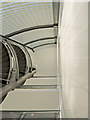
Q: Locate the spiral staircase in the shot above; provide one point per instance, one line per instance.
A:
(15, 63)
(4, 65)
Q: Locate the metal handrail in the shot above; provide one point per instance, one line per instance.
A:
(5, 37)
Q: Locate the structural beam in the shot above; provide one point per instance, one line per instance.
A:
(12, 86)
(30, 29)
(46, 38)
(55, 6)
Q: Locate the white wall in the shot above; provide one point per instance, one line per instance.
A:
(28, 100)
(74, 59)
(45, 60)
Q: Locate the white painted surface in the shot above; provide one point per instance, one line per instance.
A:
(74, 59)
(45, 60)
(23, 99)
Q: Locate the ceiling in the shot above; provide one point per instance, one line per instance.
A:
(39, 17)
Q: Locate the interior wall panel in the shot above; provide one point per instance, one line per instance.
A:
(74, 59)
(44, 58)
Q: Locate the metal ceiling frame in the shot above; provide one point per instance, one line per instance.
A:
(55, 6)
(55, 26)
(30, 29)
(46, 38)
(26, 45)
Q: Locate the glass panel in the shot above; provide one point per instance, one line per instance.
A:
(19, 15)
(34, 35)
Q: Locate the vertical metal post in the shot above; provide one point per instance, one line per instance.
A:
(59, 67)
(58, 63)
